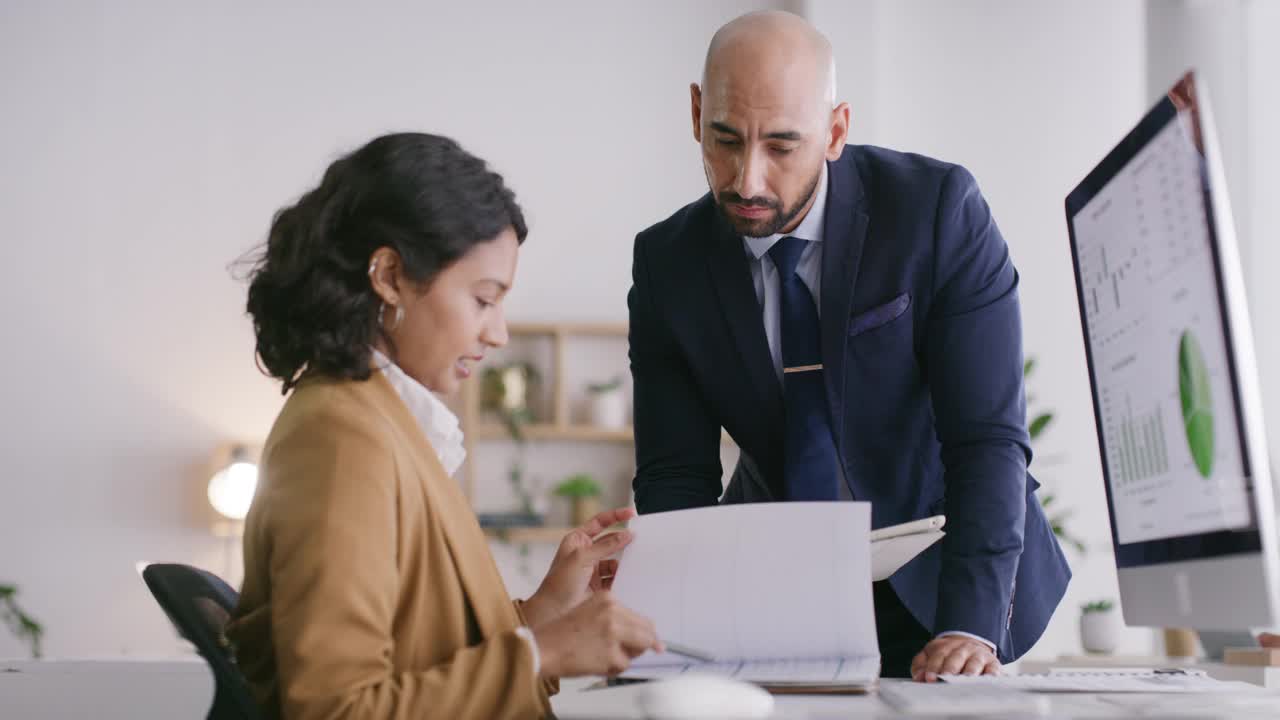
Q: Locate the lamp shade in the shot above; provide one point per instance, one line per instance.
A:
(231, 488)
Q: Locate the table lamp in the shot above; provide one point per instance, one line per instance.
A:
(231, 488)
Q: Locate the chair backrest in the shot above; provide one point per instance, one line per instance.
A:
(199, 604)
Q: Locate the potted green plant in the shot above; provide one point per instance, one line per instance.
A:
(1057, 516)
(1100, 626)
(22, 625)
(505, 391)
(607, 404)
(583, 492)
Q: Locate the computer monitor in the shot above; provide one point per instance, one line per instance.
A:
(1175, 387)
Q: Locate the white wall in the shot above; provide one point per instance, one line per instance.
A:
(1262, 70)
(1028, 96)
(145, 146)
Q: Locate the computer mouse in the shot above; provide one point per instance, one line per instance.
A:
(695, 696)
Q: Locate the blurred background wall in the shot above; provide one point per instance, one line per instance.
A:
(146, 144)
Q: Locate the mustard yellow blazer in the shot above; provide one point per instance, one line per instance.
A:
(369, 588)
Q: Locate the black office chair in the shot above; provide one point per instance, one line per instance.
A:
(199, 604)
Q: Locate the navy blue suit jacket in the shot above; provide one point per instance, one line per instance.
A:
(922, 348)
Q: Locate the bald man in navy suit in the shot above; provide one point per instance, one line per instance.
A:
(849, 314)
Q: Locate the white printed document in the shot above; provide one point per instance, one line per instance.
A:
(895, 546)
(777, 593)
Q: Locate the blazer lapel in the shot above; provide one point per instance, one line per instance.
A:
(844, 233)
(448, 506)
(731, 276)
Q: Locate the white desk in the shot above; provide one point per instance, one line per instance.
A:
(183, 688)
(109, 689)
(577, 703)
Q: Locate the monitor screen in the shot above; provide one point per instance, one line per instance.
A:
(1159, 343)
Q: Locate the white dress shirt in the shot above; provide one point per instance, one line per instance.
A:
(438, 422)
(764, 275)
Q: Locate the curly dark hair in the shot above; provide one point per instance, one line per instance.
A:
(314, 311)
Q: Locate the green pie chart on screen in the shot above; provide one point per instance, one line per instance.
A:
(1197, 402)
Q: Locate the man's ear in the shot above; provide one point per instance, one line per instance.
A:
(839, 131)
(695, 102)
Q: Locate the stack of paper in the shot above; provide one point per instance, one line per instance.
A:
(778, 593)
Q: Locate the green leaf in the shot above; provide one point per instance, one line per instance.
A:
(1039, 424)
(580, 485)
(607, 386)
(1097, 606)
(1028, 366)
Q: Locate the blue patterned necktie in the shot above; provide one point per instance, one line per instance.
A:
(810, 465)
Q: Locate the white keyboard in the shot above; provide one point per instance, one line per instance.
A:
(981, 700)
(1104, 681)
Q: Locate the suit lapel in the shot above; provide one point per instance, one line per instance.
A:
(731, 276)
(844, 233)
(448, 506)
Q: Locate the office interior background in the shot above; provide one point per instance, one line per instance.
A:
(146, 145)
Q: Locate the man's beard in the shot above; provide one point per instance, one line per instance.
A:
(767, 226)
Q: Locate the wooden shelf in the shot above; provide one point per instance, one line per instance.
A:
(558, 426)
(520, 535)
(549, 431)
(599, 329)
(477, 428)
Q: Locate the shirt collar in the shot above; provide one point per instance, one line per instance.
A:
(810, 227)
(437, 421)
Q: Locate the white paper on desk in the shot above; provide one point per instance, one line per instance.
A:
(756, 581)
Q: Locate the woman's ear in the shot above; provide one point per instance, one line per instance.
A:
(384, 275)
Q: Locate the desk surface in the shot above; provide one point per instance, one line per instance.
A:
(183, 688)
(576, 702)
(107, 689)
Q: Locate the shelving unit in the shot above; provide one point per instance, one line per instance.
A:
(559, 427)
(548, 431)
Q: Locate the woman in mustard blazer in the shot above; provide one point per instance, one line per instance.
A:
(369, 589)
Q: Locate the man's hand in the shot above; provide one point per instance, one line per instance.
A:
(1268, 640)
(953, 655)
(580, 568)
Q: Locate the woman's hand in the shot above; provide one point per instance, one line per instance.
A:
(579, 568)
(598, 637)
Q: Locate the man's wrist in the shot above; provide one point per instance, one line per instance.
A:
(960, 633)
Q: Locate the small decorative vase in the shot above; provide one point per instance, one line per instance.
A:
(583, 509)
(608, 409)
(1100, 631)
